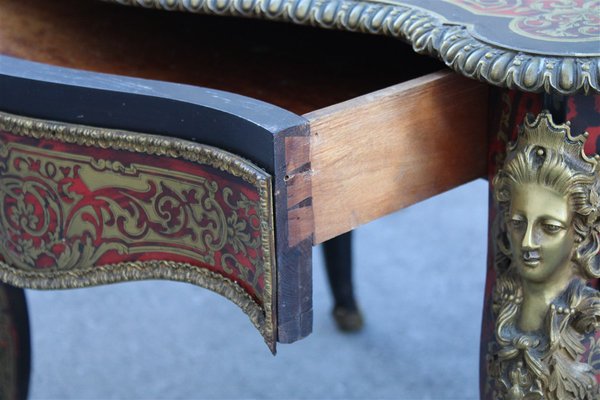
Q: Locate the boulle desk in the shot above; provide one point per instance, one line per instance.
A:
(118, 165)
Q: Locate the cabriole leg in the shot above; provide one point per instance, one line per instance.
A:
(14, 343)
(338, 261)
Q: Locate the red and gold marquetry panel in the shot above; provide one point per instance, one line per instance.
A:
(83, 206)
(551, 20)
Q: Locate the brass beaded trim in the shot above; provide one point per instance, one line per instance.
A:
(426, 31)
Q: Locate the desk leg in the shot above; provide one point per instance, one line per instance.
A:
(14, 343)
(541, 320)
(338, 261)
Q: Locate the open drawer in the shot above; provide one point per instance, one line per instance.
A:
(113, 174)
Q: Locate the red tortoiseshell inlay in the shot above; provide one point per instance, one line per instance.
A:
(584, 114)
(66, 206)
(560, 21)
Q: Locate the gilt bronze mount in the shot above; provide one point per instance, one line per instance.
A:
(546, 242)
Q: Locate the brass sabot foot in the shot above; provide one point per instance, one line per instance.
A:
(348, 320)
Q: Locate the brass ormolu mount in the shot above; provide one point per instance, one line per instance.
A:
(547, 319)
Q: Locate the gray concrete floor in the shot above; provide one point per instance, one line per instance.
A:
(419, 274)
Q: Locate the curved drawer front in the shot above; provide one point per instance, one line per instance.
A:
(82, 206)
(103, 179)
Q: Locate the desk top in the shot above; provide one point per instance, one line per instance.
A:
(548, 46)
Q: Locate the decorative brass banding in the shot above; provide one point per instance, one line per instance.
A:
(428, 32)
(83, 206)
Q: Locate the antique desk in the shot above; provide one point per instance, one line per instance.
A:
(106, 177)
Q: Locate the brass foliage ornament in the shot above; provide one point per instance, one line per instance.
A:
(83, 206)
(546, 248)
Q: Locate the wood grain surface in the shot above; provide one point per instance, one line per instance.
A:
(299, 192)
(295, 67)
(389, 149)
(365, 158)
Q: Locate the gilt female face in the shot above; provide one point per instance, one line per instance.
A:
(540, 231)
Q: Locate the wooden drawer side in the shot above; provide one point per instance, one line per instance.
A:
(384, 151)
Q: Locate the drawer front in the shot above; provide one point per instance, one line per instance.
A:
(85, 202)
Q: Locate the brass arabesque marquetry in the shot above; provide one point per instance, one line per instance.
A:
(546, 247)
(64, 214)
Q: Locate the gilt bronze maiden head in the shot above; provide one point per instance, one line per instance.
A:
(548, 195)
(547, 240)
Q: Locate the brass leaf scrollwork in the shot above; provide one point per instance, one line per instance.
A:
(546, 248)
(83, 206)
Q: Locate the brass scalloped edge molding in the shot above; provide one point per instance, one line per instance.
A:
(137, 271)
(263, 318)
(134, 142)
(425, 30)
